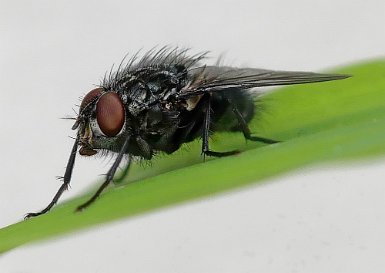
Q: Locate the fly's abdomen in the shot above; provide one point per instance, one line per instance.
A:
(222, 103)
(222, 117)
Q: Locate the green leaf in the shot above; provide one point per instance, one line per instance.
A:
(339, 120)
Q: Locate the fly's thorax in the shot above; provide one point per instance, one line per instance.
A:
(101, 121)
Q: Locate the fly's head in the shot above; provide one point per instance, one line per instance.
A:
(100, 122)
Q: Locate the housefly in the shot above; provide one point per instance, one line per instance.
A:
(166, 98)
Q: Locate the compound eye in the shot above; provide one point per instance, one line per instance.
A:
(90, 97)
(110, 114)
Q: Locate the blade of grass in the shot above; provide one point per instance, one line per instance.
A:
(318, 122)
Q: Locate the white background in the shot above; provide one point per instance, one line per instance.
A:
(322, 219)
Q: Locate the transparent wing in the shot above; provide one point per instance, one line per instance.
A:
(214, 79)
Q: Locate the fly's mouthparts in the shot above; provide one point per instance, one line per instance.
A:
(87, 151)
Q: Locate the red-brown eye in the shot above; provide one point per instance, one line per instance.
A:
(110, 114)
(92, 95)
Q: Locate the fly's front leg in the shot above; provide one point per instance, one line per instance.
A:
(206, 132)
(109, 176)
(64, 186)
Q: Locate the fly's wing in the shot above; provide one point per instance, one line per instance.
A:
(215, 79)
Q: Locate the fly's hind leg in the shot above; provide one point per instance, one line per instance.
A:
(206, 132)
(246, 130)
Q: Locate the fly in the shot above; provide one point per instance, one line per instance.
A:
(163, 100)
